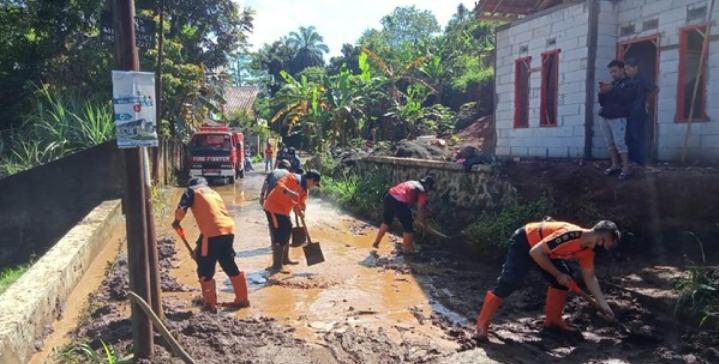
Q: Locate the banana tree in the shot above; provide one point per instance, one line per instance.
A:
(346, 103)
(302, 105)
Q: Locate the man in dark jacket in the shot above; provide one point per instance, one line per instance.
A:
(638, 121)
(616, 99)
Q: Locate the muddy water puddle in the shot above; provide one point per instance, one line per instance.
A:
(76, 302)
(345, 291)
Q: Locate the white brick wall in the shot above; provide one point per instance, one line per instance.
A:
(672, 16)
(568, 27)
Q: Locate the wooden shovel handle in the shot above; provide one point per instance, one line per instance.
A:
(307, 233)
(181, 232)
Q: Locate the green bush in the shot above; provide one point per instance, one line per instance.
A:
(257, 158)
(492, 231)
(362, 196)
(699, 293)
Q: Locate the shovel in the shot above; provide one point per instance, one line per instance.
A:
(442, 235)
(181, 233)
(574, 287)
(298, 234)
(313, 251)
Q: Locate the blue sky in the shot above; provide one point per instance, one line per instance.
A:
(337, 21)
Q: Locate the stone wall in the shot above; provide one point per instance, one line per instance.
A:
(459, 195)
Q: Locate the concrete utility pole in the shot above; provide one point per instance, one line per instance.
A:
(134, 203)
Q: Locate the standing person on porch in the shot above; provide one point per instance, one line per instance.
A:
(397, 202)
(217, 234)
(638, 121)
(616, 99)
(290, 193)
(269, 152)
(546, 245)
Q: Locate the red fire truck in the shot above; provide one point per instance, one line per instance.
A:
(217, 151)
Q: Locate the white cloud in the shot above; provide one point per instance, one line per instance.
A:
(337, 21)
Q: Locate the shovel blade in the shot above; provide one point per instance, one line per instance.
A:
(313, 253)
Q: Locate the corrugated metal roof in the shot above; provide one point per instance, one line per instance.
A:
(239, 99)
(510, 9)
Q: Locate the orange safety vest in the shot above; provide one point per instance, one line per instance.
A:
(278, 202)
(563, 240)
(211, 216)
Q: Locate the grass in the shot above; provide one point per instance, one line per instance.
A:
(492, 231)
(59, 125)
(85, 353)
(699, 294)
(9, 275)
(361, 196)
(699, 290)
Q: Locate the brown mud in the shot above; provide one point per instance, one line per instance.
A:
(363, 307)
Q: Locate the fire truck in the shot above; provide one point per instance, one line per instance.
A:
(217, 151)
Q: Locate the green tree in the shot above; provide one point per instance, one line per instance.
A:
(273, 59)
(37, 37)
(309, 48)
(350, 58)
(407, 25)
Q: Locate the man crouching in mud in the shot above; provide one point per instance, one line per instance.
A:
(217, 233)
(546, 245)
(398, 202)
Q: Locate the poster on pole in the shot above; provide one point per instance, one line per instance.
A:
(133, 99)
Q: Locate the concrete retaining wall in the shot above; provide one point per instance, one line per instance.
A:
(41, 204)
(460, 195)
(36, 299)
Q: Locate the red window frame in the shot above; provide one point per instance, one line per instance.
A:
(543, 107)
(521, 116)
(681, 110)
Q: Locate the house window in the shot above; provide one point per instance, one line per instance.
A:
(691, 40)
(550, 88)
(521, 92)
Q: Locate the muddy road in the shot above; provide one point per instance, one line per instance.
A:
(359, 307)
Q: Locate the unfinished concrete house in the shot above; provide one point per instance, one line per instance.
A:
(551, 54)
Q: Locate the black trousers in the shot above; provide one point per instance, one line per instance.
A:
(219, 249)
(518, 264)
(280, 234)
(391, 208)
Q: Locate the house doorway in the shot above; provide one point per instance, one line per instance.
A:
(646, 52)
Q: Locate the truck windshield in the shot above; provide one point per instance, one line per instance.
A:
(211, 143)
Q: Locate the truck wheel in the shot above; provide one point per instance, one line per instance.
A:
(242, 173)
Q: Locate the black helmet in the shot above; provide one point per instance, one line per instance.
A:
(313, 174)
(197, 182)
(427, 182)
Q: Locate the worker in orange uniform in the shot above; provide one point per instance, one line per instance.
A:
(214, 245)
(548, 245)
(398, 202)
(290, 193)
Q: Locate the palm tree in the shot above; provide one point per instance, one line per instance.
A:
(309, 48)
